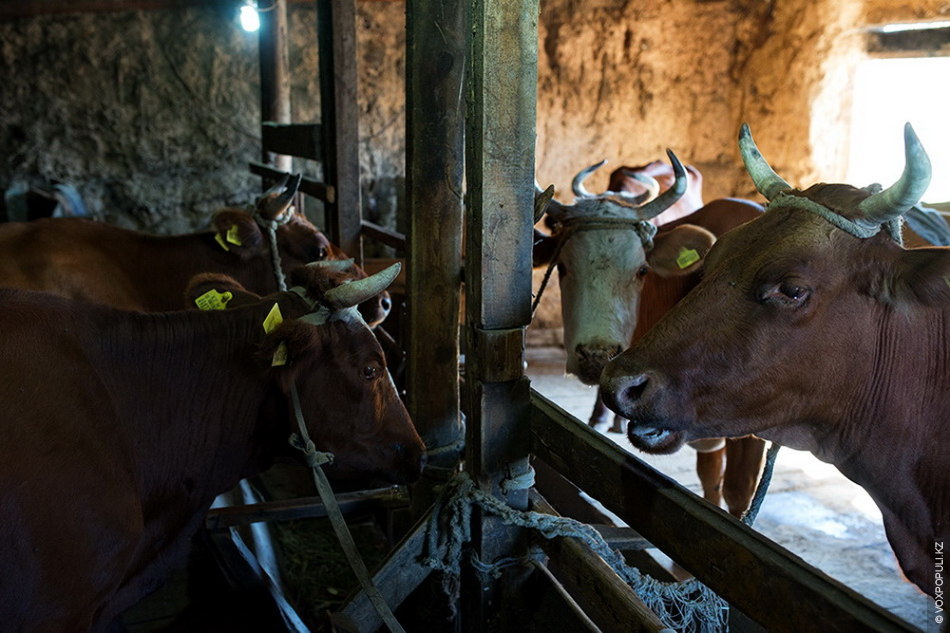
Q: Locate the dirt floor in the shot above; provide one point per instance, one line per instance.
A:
(811, 509)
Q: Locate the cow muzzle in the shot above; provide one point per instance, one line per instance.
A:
(590, 360)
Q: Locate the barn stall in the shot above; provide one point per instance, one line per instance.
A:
(582, 59)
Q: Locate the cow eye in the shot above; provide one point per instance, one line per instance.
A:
(370, 372)
(787, 293)
(318, 254)
(643, 271)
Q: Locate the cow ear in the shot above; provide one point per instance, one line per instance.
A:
(211, 291)
(238, 233)
(921, 276)
(680, 251)
(287, 349)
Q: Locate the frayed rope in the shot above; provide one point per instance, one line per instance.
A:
(688, 607)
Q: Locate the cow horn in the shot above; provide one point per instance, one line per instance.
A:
(542, 198)
(666, 199)
(578, 183)
(333, 264)
(359, 290)
(272, 206)
(897, 199)
(652, 187)
(277, 187)
(768, 183)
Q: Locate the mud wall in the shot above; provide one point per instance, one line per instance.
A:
(153, 115)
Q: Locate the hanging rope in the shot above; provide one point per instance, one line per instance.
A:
(270, 227)
(686, 606)
(315, 459)
(568, 227)
(763, 487)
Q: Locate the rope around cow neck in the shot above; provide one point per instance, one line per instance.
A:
(270, 227)
(684, 606)
(315, 459)
(763, 486)
(645, 231)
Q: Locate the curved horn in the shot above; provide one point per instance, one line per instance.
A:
(768, 183)
(666, 199)
(578, 183)
(277, 187)
(897, 199)
(272, 206)
(333, 264)
(649, 182)
(359, 290)
(542, 198)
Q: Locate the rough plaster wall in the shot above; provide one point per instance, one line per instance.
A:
(154, 115)
(146, 113)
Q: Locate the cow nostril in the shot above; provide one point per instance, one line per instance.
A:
(634, 388)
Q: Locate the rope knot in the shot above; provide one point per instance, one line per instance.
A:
(311, 455)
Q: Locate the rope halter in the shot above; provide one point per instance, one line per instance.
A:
(881, 209)
(276, 205)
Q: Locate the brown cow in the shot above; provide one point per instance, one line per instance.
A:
(85, 259)
(615, 304)
(119, 429)
(814, 327)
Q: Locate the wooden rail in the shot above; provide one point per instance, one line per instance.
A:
(776, 588)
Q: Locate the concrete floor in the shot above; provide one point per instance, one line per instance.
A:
(811, 509)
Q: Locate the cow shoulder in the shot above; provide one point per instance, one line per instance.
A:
(680, 251)
(238, 233)
(919, 276)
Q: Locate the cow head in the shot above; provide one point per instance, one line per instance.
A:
(348, 399)
(299, 242)
(797, 325)
(603, 246)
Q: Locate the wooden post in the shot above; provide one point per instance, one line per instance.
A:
(336, 40)
(436, 48)
(500, 143)
(275, 75)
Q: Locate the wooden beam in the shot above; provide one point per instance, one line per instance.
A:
(385, 236)
(303, 508)
(776, 588)
(436, 54)
(274, 55)
(293, 139)
(607, 599)
(339, 117)
(396, 578)
(500, 141)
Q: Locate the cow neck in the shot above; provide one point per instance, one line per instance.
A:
(270, 228)
(568, 227)
(788, 200)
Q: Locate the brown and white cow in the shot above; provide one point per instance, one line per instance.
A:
(84, 259)
(118, 429)
(613, 288)
(815, 328)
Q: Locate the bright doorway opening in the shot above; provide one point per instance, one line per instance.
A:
(888, 93)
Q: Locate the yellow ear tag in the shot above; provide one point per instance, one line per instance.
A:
(213, 300)
(220, 241)
(280, 355)
(233, 236)
(274, 318)
(687, 258)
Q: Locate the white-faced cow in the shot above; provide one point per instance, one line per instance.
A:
(85, 259)
(616, 283)
(118, 429)
(815, 328)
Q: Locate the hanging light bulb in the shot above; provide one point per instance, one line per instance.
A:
(250, 21)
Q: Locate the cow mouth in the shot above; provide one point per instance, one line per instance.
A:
(654, 439)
